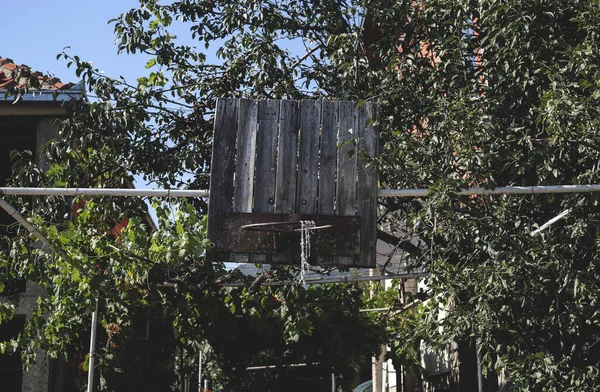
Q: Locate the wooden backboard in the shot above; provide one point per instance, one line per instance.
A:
(294, 157)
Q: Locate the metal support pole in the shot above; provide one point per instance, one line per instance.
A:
(92, 361)
(344, 279)
(332, 382)
(30, 228)
(200, 371)
(501, 190)
(479, 370)
(551, 222)
(126, 192)
(420, 192)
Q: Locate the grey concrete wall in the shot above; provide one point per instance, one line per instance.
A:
(46, 131)
(37, 378)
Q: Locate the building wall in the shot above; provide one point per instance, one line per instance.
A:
(37, 378)
(27, 133)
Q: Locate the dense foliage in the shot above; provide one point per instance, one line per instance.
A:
(473, 93)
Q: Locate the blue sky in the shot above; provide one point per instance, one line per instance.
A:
(35, 31)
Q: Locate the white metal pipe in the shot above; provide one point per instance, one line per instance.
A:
(127, 192)
(23, 222)
(343, 279)
(373, 310)
(332, 382)
(479, 370)
(276, 366)
(505, 190)
(199, 370)
(422, 192)
(551, 222)
(92, 361)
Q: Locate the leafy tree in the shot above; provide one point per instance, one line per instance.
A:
(508, 101)
(160, 128)
(472, 93)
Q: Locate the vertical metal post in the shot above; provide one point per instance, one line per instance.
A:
(402, 303)
(332, 382)
(479, 370)
(200, 371)
(376, 367)
(401, 379)
(92, 361)
(181, 369)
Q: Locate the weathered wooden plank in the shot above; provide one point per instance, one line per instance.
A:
(328, 157)
(266, 152)
(245, 160)
(347, 167)
(266, 164)
(287, 163)
(245, 154)
(222, 166)
(367, 184)
(287, 158)
(328, 163)
(308, 157)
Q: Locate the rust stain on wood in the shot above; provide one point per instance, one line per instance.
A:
(342, 238)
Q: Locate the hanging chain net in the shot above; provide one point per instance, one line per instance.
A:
(306, 228)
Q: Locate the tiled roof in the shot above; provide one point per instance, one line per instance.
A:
(21, 76)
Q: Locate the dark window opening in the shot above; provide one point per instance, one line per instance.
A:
(11, 368)
(16, 133)
(13, 286)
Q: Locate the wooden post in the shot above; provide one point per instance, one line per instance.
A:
(222, 166)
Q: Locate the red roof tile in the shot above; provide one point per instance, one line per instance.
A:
(12, 75)
(9, 66)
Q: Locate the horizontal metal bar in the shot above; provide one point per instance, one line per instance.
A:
(422, 192)
(127, 192)
(285, 365)
(505, 190)
(341, 279)
(398, 310)
(374, 310)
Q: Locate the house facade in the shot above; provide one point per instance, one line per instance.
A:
(25, 126)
